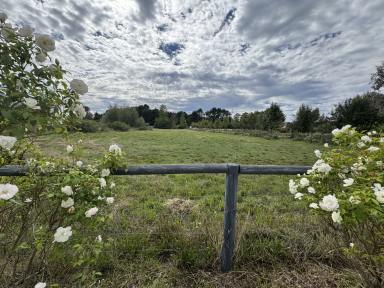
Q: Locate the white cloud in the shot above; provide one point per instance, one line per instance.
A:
(236, 54)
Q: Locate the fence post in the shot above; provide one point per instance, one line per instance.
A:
(229, 217)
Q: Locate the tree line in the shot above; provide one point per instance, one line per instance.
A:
(364, 111)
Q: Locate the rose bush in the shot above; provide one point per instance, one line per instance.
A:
(52, 216)
(345, 186)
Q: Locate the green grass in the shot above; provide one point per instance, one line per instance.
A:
(279, 242)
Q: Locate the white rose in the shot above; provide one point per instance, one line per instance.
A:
(102, 182)
(318, 153)
(91, 212)
(360, 144)
(113, 185)
(79, 86)
(348, 182)
(345, 128)
(379, 192)
(329, 203)
(8, 191)
(366, 139)
(99, 238)
(7, 142)
(105, 172)
(336, 132)
(292, 187)
(31, 103)
(321, 166)
(41, 285)
(79, 163)
(62, 234)
(69, 149)
(80, 111)
(67, 190)
(67, 203)
(351, 245)
(114, 148)
(109, 200)
(25, 31)
(28, 200)
(3, 17)
(326, 145)
(336, 217)
(304, 182)
(311, 190)
(45, 42)
(314, 206)
(41, 57)
(299, 195)
(373, 149)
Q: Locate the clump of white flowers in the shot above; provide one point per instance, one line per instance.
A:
(62, 234)
(67, 190)
(8, 191)
(115, 149)
(91, 212)
(69, 149)
(79, 86)
(57, 194)
(7, 142)
(45, 42)
(346, 187)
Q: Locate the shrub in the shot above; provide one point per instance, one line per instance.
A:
(126, 115)
(119, 126)
(345, 186)
(51, 217)
(91, 126)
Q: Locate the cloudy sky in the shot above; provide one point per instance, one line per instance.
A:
(237, 54)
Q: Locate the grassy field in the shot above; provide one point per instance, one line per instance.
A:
(279, 242)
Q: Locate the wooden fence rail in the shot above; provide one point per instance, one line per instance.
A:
(232, 172)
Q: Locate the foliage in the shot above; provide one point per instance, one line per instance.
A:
(377, 78)
(363, 111)
(164, 121)
(346, 187)
(306, 118)
(35, 97)
(182, 121)
(90, 126)
(217, 114)
(274, 117)
(51, 216)
(119, 126)
(127, 115)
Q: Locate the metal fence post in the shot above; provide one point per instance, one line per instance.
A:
(229, 217)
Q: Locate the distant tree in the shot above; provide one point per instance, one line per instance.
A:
(362, 111)
(182, 121)
(306, 118)
(197, 115)
(127, 115)
(324, 125)
(148, 114)
(97, 116)
(217, 114)
(163, 121)
(88, 115)
(377, 78)
(274, 117)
